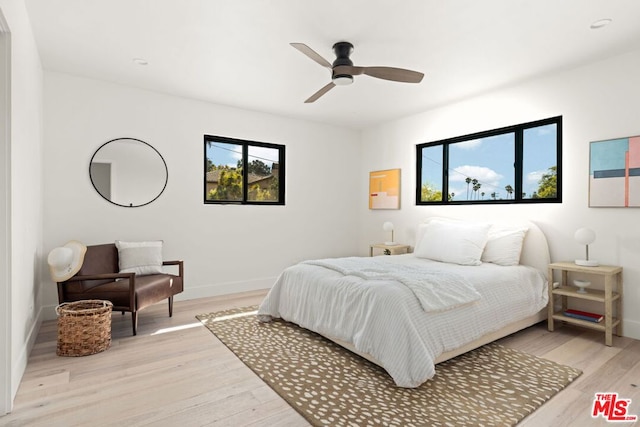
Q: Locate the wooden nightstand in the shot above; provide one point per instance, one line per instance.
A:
(389, 249)
(612, 274)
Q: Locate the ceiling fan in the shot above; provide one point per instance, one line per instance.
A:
(343, 70)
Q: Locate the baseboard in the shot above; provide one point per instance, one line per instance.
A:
(20, 364)
(49, 312)
(631, 329)
(225, 288)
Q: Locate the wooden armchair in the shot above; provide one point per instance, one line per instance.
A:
(99, 278)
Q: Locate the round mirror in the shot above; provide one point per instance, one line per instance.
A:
(128, 172)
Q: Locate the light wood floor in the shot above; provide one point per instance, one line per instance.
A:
(176, 373)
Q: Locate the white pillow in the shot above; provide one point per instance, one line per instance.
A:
(141, 258)
(454, 242)
(423, 226)
(504, 245)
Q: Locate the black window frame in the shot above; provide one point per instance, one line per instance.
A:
(518, 131)
(245, 171)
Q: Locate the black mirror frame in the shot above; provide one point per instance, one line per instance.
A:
(130, 205)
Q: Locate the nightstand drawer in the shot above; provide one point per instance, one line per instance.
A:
(389, 249)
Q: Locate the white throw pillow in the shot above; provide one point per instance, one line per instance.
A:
(423, 226)
(504, 245)
(141, 258)
(454, 242)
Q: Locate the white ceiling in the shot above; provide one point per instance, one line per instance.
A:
(237, 53)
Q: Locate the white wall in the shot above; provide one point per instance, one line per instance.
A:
(25, 210)
(226, 248)
(599, 101)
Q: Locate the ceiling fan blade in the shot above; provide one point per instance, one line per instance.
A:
(348, 69)
(311, 54)
(394, 74)
(319, 93)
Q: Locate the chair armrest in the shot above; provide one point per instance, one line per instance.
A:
(102, 276)
(180, 265)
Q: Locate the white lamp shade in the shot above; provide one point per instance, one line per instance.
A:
(585, 236)
(388, 226)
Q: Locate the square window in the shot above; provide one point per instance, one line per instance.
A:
(243, 172)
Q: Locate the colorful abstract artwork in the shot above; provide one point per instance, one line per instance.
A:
(384, 189)
(614, 173)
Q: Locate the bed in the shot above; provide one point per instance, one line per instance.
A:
(465, 284)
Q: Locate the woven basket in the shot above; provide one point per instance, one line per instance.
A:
(84, 327)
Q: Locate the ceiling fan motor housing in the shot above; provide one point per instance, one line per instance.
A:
(342, 51)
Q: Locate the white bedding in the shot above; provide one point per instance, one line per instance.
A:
(385, 319)
(436, 289)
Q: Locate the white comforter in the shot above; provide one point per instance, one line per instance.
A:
(436, 289)
(384, 318)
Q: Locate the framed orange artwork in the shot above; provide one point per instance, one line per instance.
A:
(384, 189)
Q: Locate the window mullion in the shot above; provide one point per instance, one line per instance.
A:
(245, 173)
(518, 161)
(281, 171)
(419, 167)
(445, 173)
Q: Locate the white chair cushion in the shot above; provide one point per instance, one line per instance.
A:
(141, 258)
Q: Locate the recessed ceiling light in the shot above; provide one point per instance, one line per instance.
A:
(601, 23)
(140, 61)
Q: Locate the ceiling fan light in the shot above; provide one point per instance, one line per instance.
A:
(342, 80)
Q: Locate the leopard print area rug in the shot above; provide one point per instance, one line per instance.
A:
(330, 386)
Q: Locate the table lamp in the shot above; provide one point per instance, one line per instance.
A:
(388, 226)
(585, 236)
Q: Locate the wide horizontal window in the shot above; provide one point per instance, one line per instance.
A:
(515, 164)
(243, 172)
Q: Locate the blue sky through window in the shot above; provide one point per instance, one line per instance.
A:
(488, 160)
(539, 154)
(491, 161)
(222, 154)
(228, 154)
